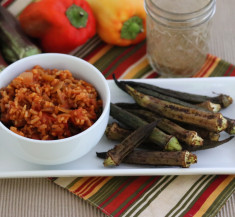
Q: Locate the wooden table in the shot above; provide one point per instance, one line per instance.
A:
(38, 197)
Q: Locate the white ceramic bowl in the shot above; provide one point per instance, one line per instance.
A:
(63, 150)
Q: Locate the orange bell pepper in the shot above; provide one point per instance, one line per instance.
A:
(120, 22)
(60, 25)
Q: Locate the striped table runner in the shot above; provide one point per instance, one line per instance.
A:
(157, 196)
(153, 195)
(199, 195)
(131, 62)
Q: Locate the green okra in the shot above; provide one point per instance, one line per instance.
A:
(157, 158)
(187, 136)
(206, 106)
(231, 126)
(212, 121)
(121, 150)
(158, 137)
(222, 99)
(208, 144)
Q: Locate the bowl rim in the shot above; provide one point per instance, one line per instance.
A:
(106, 106)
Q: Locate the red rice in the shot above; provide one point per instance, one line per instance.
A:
(49, 104)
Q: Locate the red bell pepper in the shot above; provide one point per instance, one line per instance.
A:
(60, 25)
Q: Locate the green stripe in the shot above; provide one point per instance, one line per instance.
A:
(127, 184)
(90, 45)
(133, 195)
(157, 185)
(73, 182)
(220, 69)
(157, 189)
(123, 58)
(113, 186)
(143, 72)
(221, 200)
(108, 57)
(198, 195)
(156, 194)
(107, 189)
(231, 70)
(185, 195)
(194, 190)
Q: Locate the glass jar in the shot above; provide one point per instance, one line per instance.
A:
(177, 35)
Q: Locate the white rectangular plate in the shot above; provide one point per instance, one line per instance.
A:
(219, 160)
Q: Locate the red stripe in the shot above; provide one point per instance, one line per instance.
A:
(233, 72)
(91, 179)
(117, 59)
(125, 194)
(207, 69)
(116, 192)
(93, 186)
(7, 3)
(137, 196)
(153, 75)
(94, 51)
(128, 62)
(228, 70)
(201, 200)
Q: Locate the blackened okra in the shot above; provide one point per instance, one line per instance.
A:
(206, 106)
(209, 106)
(208, 144)
(121, 150)
(205, 134)
(188, 136)
(222, 99)
(158, 137)
(211, 121)
(115, 132)
(158, 158)
(231, 126)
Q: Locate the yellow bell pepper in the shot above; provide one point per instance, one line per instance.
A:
(120, 22)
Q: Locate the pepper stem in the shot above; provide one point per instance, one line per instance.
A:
(131, 28)
(77, 16)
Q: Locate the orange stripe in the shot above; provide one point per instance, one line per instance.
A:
(78, 184)
(213, 196)
(87, 183)
(131, 74)
(211, 69)
(97, 188)
(98, 55)
(205, 66)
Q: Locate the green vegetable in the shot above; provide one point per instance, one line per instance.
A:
(231, 126)
(208, 144)
(3, 64)
(115, 132)
(14, 44)
(205, 134)
(120, 151)
(158, 158)
(158, 137)
(211, 121)
(222, 99)
(206, 106)
(188, 136)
